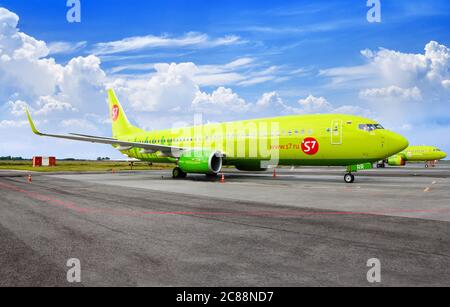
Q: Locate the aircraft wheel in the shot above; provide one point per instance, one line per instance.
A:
(178, 173)
(426, 165)
(349, 178)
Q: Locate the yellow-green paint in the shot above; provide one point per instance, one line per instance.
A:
(246, 143)
(422, 154)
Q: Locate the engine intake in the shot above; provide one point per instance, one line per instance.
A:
(201, 162)
(396, 161)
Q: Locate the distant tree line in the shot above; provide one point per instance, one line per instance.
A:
(103, 159)
(9, 158)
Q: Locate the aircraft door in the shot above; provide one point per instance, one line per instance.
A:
(336, 132)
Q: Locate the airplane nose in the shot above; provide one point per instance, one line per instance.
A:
(396, 143)
(444, 155)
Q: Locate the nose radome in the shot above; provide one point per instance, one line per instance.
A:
(397, 142)
(444, 155)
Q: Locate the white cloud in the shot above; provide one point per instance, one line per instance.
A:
(17, 107)
(13, 123)
(392, 93)
(312, 104)
(403, 88)
(4, 124)
(28, 76)
(387, 68)
(219, 101)
(65, 47)
(78, 123)
(171, 86)
(271, 99)
(256, 80)
(49, 104)
(8, 20)
(191, 39)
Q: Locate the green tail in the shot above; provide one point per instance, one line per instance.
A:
(120, 125)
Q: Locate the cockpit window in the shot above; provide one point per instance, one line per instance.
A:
(436, 149)
(370, 127)
(378, 126)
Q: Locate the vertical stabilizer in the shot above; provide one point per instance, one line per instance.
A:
(120, 125)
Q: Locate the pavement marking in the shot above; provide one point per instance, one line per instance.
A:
(427, 189)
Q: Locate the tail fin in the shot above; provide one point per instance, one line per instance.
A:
(119, 121)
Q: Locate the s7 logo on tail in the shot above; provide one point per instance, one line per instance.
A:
(115, 112)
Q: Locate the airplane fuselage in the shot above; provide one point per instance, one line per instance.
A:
(326, 139)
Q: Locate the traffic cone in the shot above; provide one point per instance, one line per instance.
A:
(113, 171)
(222, 179)
(30, 179)
(274, 173)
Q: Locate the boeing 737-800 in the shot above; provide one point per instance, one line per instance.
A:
(252, 145)
(427, 154)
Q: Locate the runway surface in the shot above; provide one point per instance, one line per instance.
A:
(304, 227)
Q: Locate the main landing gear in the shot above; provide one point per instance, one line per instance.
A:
(177, 173)
(349, 178)
(381, 164)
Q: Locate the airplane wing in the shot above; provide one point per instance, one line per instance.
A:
(121, 145)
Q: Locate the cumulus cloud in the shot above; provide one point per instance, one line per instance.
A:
(48, 104)
(313, 104)
(17, 107)
(389, 68)
(219, 101)
(403, 88)
(172, 86)
(308, 105)
(29, 76)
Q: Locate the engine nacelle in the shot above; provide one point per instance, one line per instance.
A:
(200, 162)
(396, 161)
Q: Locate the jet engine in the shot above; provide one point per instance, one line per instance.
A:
(200, 162)
(396, 161)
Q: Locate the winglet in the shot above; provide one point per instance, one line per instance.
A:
(33, 128)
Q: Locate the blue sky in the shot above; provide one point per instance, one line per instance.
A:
(225, 59)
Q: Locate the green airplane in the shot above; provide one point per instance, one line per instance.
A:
(252, 145)
(428, 154)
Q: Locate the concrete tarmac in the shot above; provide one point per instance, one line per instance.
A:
(305, 227)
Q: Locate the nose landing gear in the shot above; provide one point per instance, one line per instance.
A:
(349, 178)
